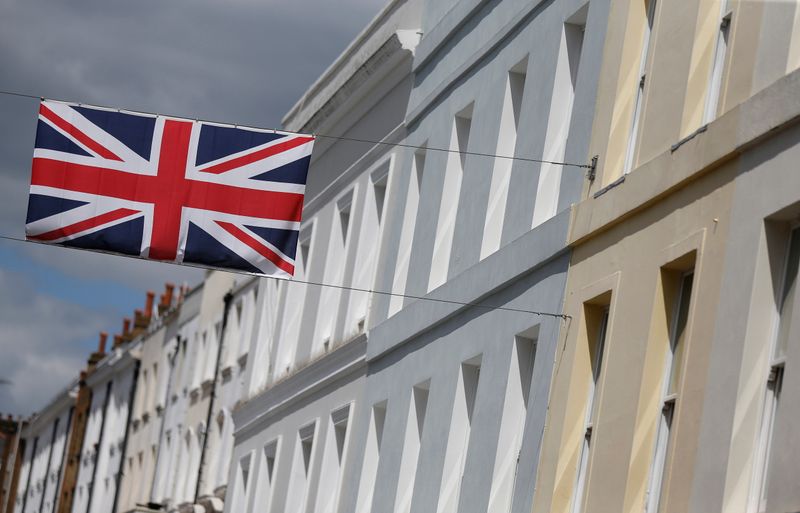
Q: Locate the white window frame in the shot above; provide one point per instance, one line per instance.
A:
(579, 490)
(640, 87)
(668, 403)
(757, 502)
(718, 64)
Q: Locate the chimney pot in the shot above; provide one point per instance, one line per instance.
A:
(168, 292)
(148, 305)
(101, 346)
(126, 325)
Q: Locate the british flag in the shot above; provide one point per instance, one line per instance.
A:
(167, 188)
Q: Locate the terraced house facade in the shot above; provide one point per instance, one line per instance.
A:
(675, 388)
(405, 401)
(547, 264)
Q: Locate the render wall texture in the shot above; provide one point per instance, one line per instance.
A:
(689, 204)
(764, 208)
(459, 67)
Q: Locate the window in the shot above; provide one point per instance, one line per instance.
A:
(673, 368)
(596, 319)
(407, 232)
(515, 409)
(506, 147)
(266, 472)
(295, 300)
(241, 482)
(458, 438)
(417, 408)
(343, 207)
(301, 469)
(334, 270)
(332, 460)
(367, 256)
(305, 251)
(718, 65)
(650, 6)
(777, 360)
(372, 452)
(559, 122)
(451, 190)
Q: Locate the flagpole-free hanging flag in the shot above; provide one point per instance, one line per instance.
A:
(167, 189)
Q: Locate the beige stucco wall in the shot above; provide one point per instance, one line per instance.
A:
(676, 201)
(626, 261)
(763, 45)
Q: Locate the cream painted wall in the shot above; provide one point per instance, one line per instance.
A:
(626, 261)
(762, 46)
(677, 199)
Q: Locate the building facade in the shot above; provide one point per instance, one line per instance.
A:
(389, 402)
(144, 431)
(172, 462)
(12, 446)
(671, 392)
(44, 454)
(112, 385)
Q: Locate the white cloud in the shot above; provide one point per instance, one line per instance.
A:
(44, 343)
(130, 272)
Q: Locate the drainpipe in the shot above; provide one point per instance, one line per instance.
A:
(123, 455)
(227, 300)
(30, 473)
(173, 361)
(99, 445)
(19, 445)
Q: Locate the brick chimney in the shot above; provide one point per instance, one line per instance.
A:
(101, 345)
(140, 322)
(166, 298)
(169, 293)
(125, 335)
(148, 304)
(101, 350)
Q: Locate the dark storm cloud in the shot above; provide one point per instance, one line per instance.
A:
(237, 61)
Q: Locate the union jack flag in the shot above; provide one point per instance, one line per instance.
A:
(167, 189)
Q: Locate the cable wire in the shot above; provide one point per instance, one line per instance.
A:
(317, 284)
(338, 138)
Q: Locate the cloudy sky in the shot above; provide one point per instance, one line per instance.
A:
(237, 61)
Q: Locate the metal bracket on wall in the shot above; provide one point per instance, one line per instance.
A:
(592, 169)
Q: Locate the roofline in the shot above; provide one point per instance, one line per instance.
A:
(340, 61)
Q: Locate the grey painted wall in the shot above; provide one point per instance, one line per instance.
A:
(464, 56)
